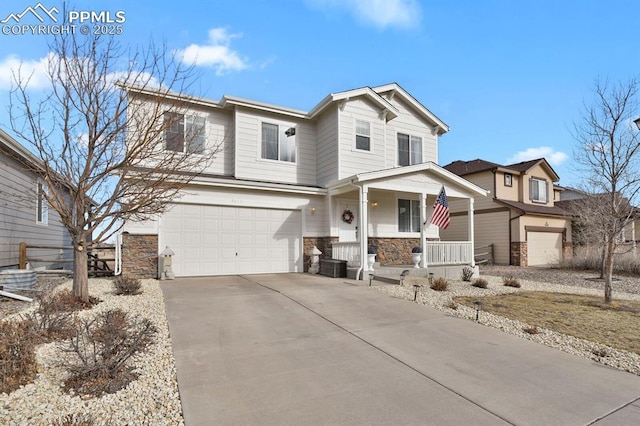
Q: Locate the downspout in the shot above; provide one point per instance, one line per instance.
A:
(510, 233)
(360, 234)
(118, 255)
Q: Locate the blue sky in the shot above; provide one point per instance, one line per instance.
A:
(509, 77)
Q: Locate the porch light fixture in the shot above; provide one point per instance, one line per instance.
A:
(374, 204)
(312, 210)
(637, 122)
(478, 305)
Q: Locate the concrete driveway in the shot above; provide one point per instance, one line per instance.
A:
(301, 349)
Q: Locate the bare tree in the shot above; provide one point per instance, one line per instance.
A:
(104, 147)
(608, 155)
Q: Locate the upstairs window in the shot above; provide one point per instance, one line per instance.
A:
(363, 135)
(409, 150)
(538, 190)
(408, 216)
(278, 142)
(508, 179)
(184, 133)
(42, 208)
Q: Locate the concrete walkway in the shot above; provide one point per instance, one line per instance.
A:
(301, 349)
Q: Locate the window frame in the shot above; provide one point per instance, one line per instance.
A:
(42, 207)
(508, 179)
(414, 207)
(411, 152)
(539, 181)
(282, 132)
(362, 135)
(183, 128)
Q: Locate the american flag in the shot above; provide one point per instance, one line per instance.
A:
(440, 216)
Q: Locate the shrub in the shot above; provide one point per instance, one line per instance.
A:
(416, 249)
(17, 354)
(65, 301)
(480, 283)
(531, 330)
(100, 351)
(452, 305)
(75, 420)
(439, 284)
(128, 286)
(467, 273)
(52, 320)
(510, 281)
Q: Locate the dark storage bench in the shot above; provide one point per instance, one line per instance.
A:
(333, 268)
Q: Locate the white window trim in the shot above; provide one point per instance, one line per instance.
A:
(189, 118)
(355, 135)
(409, 234)
(42, 207)
(273, 161)
(510, 176)
(397, 147)
(546, 195)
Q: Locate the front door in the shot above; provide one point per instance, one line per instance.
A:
(348, 221)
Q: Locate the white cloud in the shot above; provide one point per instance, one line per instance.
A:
(33, 70)
(216, 53)
(380, 13)
(555, 158)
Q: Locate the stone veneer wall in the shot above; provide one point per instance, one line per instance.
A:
(567, 251)
(323, 244)
(519, 253)
(140, 255)
(394, 251)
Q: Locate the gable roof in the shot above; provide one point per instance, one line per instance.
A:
(462, 168)
(405, 170)
(373, 94)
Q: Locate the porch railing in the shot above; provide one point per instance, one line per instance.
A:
(449, 253)
(347, 251)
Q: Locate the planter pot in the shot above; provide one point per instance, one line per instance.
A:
(416, 259)
(371, 259)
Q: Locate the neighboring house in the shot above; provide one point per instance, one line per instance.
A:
(572, 200)
(520, 220)
(357, 170)
(24, 213)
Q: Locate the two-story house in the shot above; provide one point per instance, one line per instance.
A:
(357, 170)
(520, 220)
(24, 212)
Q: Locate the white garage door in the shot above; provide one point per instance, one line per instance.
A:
(219, 240)
(544, 248)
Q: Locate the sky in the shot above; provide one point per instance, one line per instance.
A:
(510, 78)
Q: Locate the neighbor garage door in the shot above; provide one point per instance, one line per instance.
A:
(217, 240)
(544, 248)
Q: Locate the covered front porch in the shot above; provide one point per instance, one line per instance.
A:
(390, 211)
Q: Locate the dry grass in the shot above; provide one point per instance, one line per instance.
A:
(586, 317)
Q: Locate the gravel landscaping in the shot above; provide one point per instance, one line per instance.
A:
(152, 399)
(531, 279)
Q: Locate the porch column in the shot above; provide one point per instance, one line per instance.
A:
(473, 245)
(364, 227)
(423, 223)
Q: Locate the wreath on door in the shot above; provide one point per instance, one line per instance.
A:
(347, 216)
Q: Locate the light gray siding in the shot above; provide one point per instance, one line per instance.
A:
(353, 161)
(18, 214)
(248, 161)
(220, 136)
(408, 122)
(327, 146)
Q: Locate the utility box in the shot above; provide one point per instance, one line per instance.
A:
(333, 268)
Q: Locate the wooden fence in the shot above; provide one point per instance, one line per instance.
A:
(100, 259)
